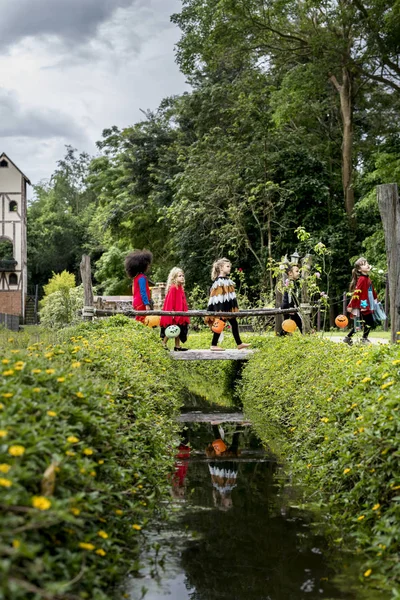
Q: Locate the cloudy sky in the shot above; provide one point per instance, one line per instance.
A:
(71, 68)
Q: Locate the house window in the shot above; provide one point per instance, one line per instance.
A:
(13, 279)
(13, 206)
(3, 163)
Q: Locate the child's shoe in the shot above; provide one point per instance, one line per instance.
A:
(179, 349)
(243, 346)
(217, 349)
(347, 340)
(365, 342)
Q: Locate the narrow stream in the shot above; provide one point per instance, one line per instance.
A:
(234, 530)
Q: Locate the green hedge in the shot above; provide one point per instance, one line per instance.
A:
(333, 413)
(87, 426)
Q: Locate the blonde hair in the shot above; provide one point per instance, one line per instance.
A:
(172, 277)
(217, 267)
(355, 274)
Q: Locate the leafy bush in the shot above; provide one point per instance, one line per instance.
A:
(61, 302)
(86, 430)
(332, 411)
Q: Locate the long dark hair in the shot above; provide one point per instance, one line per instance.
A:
(356, 273)
(137, 262)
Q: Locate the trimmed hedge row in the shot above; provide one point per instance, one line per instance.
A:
(86, 431)
(333, 413)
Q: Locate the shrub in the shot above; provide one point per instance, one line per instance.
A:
(61, 302)
(86, 428)
(332, 411)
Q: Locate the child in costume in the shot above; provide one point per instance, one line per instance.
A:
(361, 305)
(223, 299)
(137, 264)
(175, 299)
(291, 296)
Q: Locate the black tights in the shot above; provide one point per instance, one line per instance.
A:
(368, 324)
(235, 333)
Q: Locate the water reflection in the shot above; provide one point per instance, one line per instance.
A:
(232, 534)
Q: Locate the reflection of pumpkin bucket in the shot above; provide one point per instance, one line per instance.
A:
(218, 326)
(289, 325)
(219, 446)
(341, 321)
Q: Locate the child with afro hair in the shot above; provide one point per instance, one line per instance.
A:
(137, 264)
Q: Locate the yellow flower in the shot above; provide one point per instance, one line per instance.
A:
(101, 552)
(3, 433)
(100, 462)
(7, 395)
(60, 379)
(396, 362)
(5, 361)
(5, 482)
(72, 439)
(75, 511)
(385, 375)
(380, 398)
(88, 451)
(88, 360)
(376, 506)
(386, 385)
(50, 371)
(1, 406)
(359, 362)
(41, 502)
(16, 450)
(16, 544)
(360, 418)
(86, 546)
(92, 473)
(119, 512)
(70, 453)
(396, 487)
(7, 373)
(36, 371)
(367, 572)
(137, 527)
(51, 413)
(102, 534)
(80, 395)
(76, 364)
(49, 355)
(37, 390)
(4, 468)
(360, 518)
(346, 471)
(366, 380)
(324, 419)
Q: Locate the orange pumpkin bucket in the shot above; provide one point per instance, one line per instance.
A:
(341, 321)
(289, 325)
(218, 326)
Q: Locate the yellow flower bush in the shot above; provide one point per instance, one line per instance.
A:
(41, 503)
(16, 450)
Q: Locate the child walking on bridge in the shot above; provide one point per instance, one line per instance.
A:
(223, 299)
(175, 300)
(137, 264)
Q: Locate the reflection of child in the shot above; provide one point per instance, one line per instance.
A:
(175, 299)
(137, 264)
(361, 305)
(223, 472)
(291, 295)
(181, 468)
(223, 299)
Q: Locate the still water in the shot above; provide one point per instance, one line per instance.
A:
(234, 530)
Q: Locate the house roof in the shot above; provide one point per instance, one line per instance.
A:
(4, 155)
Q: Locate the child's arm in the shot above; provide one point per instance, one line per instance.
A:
(143, 292)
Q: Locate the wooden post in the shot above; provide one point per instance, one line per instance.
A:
(344, 307)
(86, 275)
(389, 208)
(385, 323)
(278, 318)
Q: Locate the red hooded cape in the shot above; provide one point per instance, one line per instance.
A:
(175, 300)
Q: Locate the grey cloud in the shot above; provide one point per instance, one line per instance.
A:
(72, 21)
(33, 122)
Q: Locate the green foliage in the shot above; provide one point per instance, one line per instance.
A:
(110, 272)
(60, 282)
(332, 412)
(61, 302)
(86, 427)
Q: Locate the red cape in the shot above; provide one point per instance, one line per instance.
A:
(175, 300)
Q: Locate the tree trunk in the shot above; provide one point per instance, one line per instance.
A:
(86, 276)
(389, 207)
(346, 108)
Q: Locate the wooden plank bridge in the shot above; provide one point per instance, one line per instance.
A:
(228, 354)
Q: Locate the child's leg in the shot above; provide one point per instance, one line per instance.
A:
(215, 339)
(368, 325)
(163, 336)
(235, 331)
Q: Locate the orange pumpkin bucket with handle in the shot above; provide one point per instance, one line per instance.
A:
(341, 321)
(218, 326)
